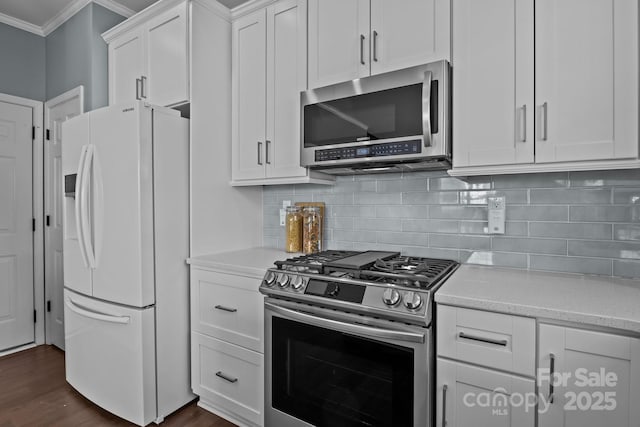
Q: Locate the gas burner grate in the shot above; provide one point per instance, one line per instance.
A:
(409, 271)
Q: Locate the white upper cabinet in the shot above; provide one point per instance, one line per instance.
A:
(586, 80)
(493, 82)
(597, 378)
(580, 109)
(358, 38)
(150, 60)
(269, 67)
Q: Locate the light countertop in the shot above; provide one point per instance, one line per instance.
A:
(593, 300)
(252, 262)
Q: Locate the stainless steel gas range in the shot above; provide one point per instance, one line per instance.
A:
(349, 339)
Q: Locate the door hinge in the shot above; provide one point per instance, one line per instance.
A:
(48, 135)
(49, 306)
(35, 316)
(48, 220)
(33, 132)
(33, 224)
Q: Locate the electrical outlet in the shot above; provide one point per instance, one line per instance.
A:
(496, 207)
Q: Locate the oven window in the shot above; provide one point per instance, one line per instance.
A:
(391, 113)
(331, 379)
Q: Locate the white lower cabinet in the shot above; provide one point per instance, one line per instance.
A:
(227, 329)
(470, 396)
(597, 378)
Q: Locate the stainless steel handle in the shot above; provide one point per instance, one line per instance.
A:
(143, 84)
(545, 124)
(523, 123)
(259, 152)
(226, 377)
(345, 327)
(444, 405)
(103, 317)
(466, 336)
(266, 153)
(223, 308)
(375, 46)
(552, 367)
(426, 107)
(362, 49)
(138, 82)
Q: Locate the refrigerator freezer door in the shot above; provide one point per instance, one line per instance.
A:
(77, 274)
(122, 197)
(110, 356)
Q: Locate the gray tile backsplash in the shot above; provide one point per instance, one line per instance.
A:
(578, 222)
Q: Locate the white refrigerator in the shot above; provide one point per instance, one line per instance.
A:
(126, 238)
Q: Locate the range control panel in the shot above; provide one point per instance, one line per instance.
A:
(374, 150)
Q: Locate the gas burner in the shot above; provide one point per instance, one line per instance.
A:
(402, 264)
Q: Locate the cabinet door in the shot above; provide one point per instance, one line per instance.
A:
(407, 33)
(493, 80)
(579, 357)
(338, 41)
(586, 80)
(470, 396)
(286, 77)
(126, 67)
(249, 96)
(166, 81)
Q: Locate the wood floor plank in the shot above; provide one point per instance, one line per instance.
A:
(33, 392)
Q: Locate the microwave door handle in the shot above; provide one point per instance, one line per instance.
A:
(349, 328)
(426, 107)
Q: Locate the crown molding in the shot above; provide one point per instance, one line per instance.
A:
(21, 25)
(116, 7)
(138, 18)
(248, 7)
(216, 7)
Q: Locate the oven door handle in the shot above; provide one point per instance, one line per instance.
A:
(367, 331)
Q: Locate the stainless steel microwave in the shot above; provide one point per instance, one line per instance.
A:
(387, 122)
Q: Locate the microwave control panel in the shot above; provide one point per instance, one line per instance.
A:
(373, 150)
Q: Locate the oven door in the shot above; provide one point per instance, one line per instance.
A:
(329, 369)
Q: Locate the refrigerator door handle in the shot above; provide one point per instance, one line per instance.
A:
(84, 208)
(98, 211)
(103, 317)
(78, 206)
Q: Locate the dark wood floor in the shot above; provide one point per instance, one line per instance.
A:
(33, 392)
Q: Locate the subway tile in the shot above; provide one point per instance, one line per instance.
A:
(334, 199)
(344, 178)
(400, 238)
(365, 198)
(571, 230)
(570, 264)
(449, 183)
(626, 232)
(622, 177)
(529, 245)
(378, 224)
(379, 176)
(605, 213)
(270, 242)
(430, 198)
(339, 245)
(353, 211)
(342, 223)
(568, 196)
(355, 236)
(537, 213)
(304, 189)
(271, 220)
(430, 225)
(459, 241)
(402, 185)
(604, 249)
(496, 259)
(479, 197)
(278, 189)
(273, 231)
(626, 196)
(402, 211)
(512, 228)
(424, 174)
(534, 180)
(458, 212)
(354, 186)
(452, 254)
(626, 269)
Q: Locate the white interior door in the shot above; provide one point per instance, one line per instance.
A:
(16, 235)
(56, 111)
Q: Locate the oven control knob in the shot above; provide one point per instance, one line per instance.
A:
(270, 278)
(297, 282)
(283, 280)
(391, 297)
(412, 300)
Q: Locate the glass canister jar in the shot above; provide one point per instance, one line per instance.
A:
(293, 229)
(311, 230)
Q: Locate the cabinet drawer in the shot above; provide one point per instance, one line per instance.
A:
(227, 307)
(494, 340)
(228, 377)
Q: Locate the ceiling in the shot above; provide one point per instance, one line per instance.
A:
(38, 16)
